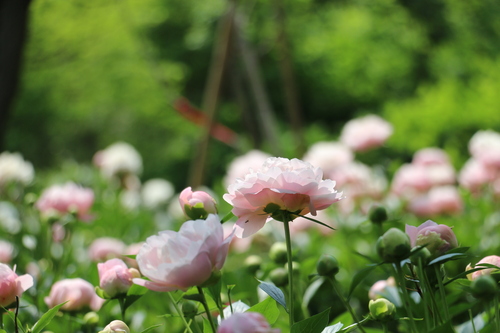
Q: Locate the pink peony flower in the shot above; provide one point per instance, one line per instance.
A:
(79, 293)
(430, 156)
(492, 260)
(241, 165)
(66, 199)
(475, 175)
(328, 155)
(179, 260)
(438, 238)
(105, 248)
(411, 179)
(198, 204)
(12, 285)
(380, 288)
(116, 326)
(246, 322)
(6, 251)
(439, 200)
(280, 189)
(366, 133)
(484, 146)
(115, 277)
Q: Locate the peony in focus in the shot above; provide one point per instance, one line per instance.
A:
(280, 189)
(492, 260)
(12, 285)
(366, 133)
(13, 168)
(438, 237)
(198, 204)
(115, 277)
(79, 293)
(66, 199)
(179, 260)
(246, 322)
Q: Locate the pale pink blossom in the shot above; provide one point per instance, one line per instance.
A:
(12, 285)
(328, 155)
(13, 168)
(358, 180)
(105, 248)
(484, 146)
(246, 322)
(115, 277)
(430, 155)
(116, 326)
(412, 179)
(439, 200)
(280, 186)
(6, 251)
(492, 260)
(438, 238)
(242, 165)
(79, 293)
(66, 199)
(58, 232)
(117, 160)
(179, 260)
(380, 288)
(475, 175)
(197, 204)
(365, 133)
(238, 245)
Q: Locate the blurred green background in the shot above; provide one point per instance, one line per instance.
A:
(99, 71)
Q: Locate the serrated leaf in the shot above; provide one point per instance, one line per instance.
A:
(446, 257)
(360, 276)
(314, 324)
(151, 328)
(268, 309)
(274, 292)
(46, 318)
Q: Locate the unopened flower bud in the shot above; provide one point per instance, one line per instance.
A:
(116, 326)
(91, 318)
(278, 253)
(393, 246)
(484, 287)
(279, 276)
(438, 238)
(377, 214)
(197, 205)
(382, 310)
(327, 265)
(252, 263)
(189, 309)
(422, 255)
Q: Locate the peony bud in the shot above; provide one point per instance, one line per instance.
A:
(327, 265)
(115, 277)
(377, 214)
(437, 238)
(278, 253)
(279, 276)
(393, 246)
(492, 260)
(252, 263)
(198, 204)
(382, 310)
(116, 326)
(484, 287)
(91, 318)
(189, 309)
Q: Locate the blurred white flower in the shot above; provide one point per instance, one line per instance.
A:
(9, 217)
(484, 146)
(118, 159)
(241, 165)
(13, 168)
(328, 155)
(157, 192)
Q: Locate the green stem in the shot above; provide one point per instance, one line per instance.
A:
(442, 293)
(1, 318)
(179, 312)
(207, 310)
(345, 302)
(121, 300)
(353, 326)
(386, 330)
(472, 321)
(496, 311)
(406, 298)
(425, 293)
(290, 273)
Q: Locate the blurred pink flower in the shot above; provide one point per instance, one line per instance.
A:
(115, 277)
(179, 260)
(132, 249)
(328, 155)
(12, 285)
(238, 245)
(105, 248)
(79, 293)
(365, 133)
(492, 260)
(66, 199)
(246, 322)
(484, 146)
(475, 175)
(197, 204)
(439, 200)
(242, 165)
(379, 288)
(280, 186)
(439, 238)
(6, 251)
(412, 179)
(430, 156)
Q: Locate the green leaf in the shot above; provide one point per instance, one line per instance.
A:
(274, 292)
(445, 328)
(333, 328)
(314, 324)
(134, 293)
(194, 297)
(360, 276)
(151, 328)
(268, 309)
(446, 257)
(215, 290)
(462, 249)
(46, 318)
